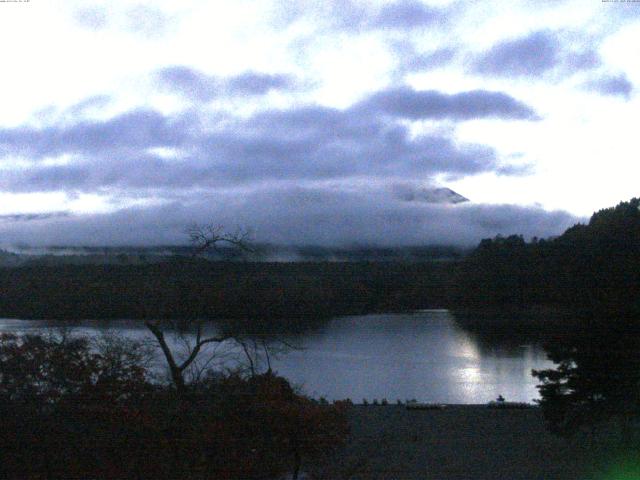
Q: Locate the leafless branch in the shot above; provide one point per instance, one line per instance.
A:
(177, 371)
(210, 237)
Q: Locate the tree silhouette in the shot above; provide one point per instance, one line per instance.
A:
(203, 238)
(593, 268)
(210, 237)
(597, 378)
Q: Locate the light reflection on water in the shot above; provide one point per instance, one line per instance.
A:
(422, 355)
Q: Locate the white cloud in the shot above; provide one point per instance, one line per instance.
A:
(92, 61)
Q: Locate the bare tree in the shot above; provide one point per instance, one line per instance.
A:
(204, 238)
(178, 369)
(210, 237)
(259, 350)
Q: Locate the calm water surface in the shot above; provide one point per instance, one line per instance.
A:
(423, 355)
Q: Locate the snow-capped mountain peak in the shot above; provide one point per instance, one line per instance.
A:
(440, 195)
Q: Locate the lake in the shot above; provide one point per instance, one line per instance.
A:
(422, 355)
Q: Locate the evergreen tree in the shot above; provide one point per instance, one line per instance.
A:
(597, 378)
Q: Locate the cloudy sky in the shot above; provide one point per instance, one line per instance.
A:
(314, 122)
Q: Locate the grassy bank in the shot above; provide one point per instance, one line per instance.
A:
(468, 442)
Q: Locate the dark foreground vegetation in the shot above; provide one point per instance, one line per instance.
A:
(70, 409)
(75, 409)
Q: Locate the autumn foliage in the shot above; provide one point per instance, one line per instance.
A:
(71, 410)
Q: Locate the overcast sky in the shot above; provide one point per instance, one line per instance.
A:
(314, 122)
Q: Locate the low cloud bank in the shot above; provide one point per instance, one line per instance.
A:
(296, 216)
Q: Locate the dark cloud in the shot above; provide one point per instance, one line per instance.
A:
(189, 82)
(406, 14)
(30, 217)
(276, 148)
(378, 217)
(411, 104)
(536, 54)
(616, 85)
(252, 83)
(296, 215)
(135, 130)
(412, 61)
(301, 143)
(197, 86)
(582, 60)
